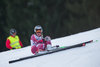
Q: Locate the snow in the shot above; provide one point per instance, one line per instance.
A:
(87, 56)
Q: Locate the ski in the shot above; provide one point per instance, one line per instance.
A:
(52, 51)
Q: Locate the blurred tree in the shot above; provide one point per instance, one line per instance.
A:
(58, 17)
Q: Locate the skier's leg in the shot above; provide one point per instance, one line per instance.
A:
(41, 47)
(48, 44)
(34, 49)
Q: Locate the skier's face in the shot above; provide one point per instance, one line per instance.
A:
(38, 33)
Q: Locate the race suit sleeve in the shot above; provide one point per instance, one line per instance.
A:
(33, 41)
(20, 43)
(8, 44)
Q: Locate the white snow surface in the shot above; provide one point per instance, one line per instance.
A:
(87, 56)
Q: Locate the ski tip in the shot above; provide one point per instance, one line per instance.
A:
(96, 40)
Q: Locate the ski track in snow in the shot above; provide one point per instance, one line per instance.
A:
(87, 56)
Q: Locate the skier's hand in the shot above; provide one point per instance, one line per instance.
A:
(47, 38)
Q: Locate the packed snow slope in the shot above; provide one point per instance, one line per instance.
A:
(87, 56)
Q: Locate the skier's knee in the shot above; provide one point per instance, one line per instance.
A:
(34, 49)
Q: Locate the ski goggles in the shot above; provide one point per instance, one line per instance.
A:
(38, 31)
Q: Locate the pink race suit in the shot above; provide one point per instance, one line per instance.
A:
(38, 43)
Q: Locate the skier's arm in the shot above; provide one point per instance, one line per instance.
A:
(32, 42)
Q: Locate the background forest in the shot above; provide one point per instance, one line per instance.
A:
(58, 18)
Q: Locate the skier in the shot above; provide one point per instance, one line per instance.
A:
(13, 41)
(38, 43)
